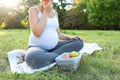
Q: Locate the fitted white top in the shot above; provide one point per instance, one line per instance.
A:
(49, 38)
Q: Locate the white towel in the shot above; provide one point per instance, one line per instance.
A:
(23, 68)
(89, 48)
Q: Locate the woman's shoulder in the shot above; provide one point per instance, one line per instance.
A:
(33, 8)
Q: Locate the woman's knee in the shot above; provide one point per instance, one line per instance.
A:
(37, 58)
(32, 56)
(79, 44)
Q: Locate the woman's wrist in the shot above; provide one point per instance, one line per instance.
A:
(45, 12)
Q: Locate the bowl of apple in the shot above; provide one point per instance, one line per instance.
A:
(69, 60)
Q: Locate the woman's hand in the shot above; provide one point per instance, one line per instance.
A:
(47, 6)
(67, 37)
(75, 38)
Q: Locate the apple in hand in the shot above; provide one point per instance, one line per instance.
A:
(47, 1)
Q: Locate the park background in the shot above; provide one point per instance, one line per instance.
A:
(73, 14)
(92, 20)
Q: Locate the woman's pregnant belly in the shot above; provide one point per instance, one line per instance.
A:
(47, 40)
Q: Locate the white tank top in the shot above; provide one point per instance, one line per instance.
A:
(49, 38)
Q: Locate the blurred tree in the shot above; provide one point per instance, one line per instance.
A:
(15, 17)
(18, 17)
(60, 8)
(103, 14)
(3, 16)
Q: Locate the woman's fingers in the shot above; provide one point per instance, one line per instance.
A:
(79, 38)
(47, 6)
(76, 38)
(73, 38)
(47, 3)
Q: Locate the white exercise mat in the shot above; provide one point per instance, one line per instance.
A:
(23, 68)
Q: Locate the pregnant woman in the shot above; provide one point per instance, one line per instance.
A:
(44, 44)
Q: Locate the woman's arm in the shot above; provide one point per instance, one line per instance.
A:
(61, 35)
(66, 37)
(37, 26)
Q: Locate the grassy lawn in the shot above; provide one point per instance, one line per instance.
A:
(101, 65)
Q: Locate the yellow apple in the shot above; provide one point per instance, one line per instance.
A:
(74, 54)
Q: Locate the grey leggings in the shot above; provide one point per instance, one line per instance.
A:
(37, 57)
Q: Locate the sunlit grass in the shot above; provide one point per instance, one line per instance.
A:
(2, 33)
(101, 65)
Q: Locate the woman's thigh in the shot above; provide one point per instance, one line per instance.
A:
(68, 46)
(36, 57)
(61, 43)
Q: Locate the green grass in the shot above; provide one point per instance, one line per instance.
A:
(101, 65)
